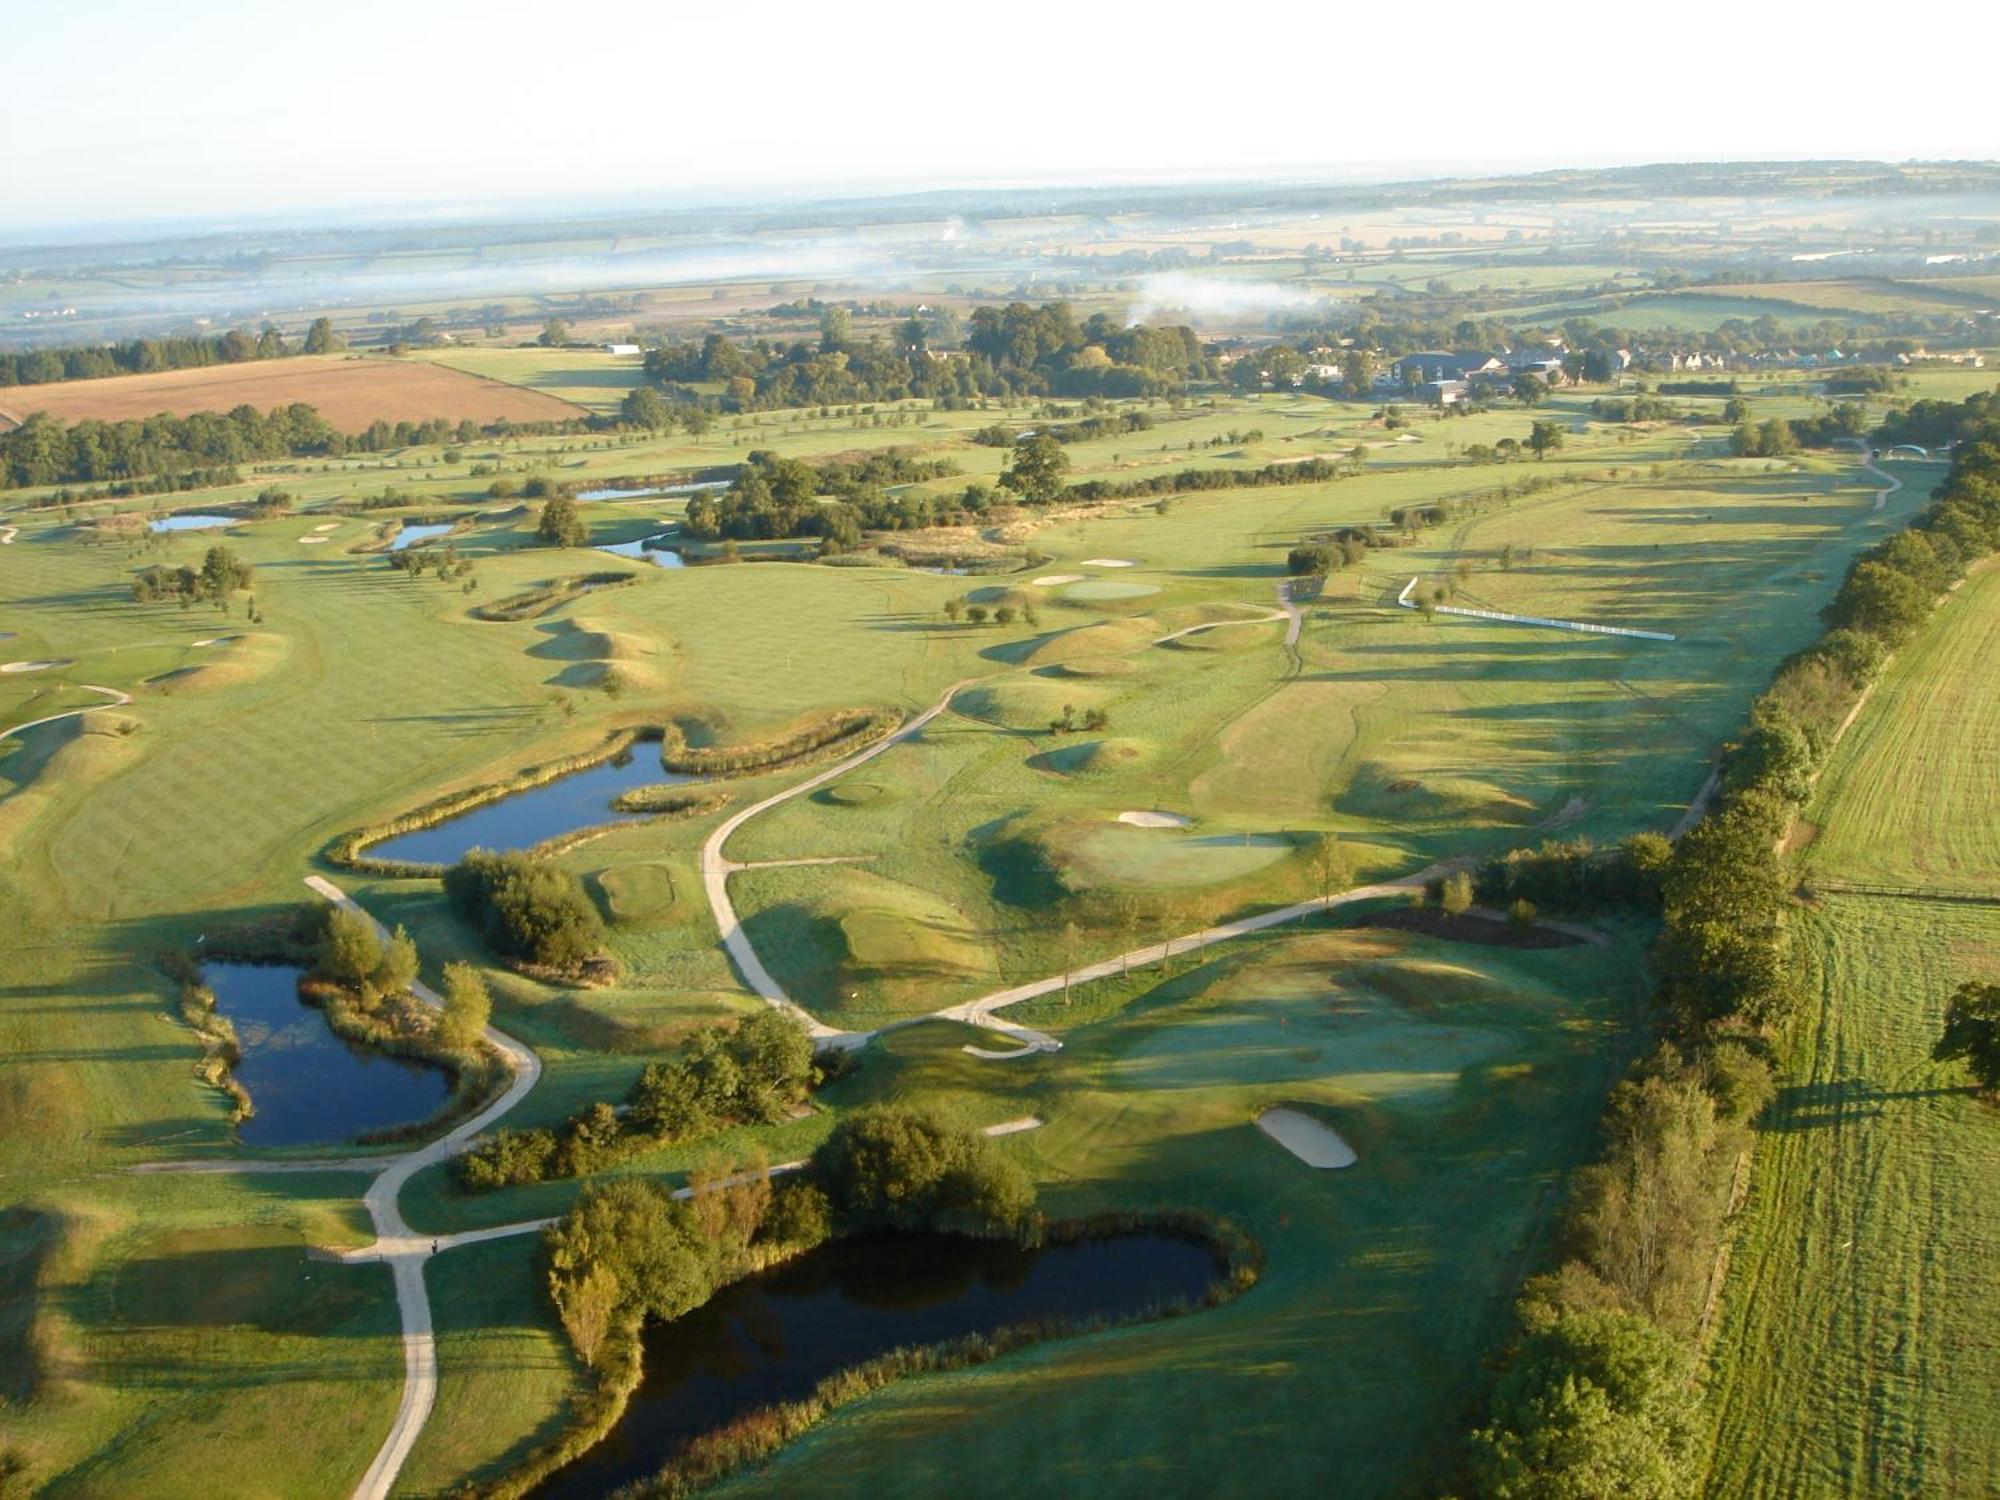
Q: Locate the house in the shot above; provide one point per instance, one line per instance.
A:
(1436, 365)
(621, 348)
(1445, 392)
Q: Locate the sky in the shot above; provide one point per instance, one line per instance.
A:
(120, 110)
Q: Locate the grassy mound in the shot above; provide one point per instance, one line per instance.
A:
(852, 794)
(1095, 666)
(60, 758)
(1109, 591)
(238, 659)
(1426, 984)
(1399, 796)
(1108, 638)
(587, 640)
(611, 676)
(637, 893)
(1029, 703)
(1092, 757)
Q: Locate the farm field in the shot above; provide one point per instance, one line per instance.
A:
(1871, 1237)
(349, 391)
(593, 380)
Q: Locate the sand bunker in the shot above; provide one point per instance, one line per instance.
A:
(313, 541)
(1155, 820)
(216, 640)
(1307, 1139)
(1109, 562)
(1052, 580)
(32, 666)
(327, 526)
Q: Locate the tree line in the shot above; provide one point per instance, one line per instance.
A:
(773, 497)
(1016, 350)
(126, 455)
(146, 356)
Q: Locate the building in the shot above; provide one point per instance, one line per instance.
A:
(1436, 365)
(1445, 392)
(621, 348)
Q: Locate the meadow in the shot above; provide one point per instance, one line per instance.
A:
(1859, 1296)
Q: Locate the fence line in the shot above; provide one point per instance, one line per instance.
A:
(1494, 614)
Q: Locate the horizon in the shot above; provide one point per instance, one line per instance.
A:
(828, 114)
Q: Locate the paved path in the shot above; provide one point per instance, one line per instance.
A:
(118, 700)
(1502, 617)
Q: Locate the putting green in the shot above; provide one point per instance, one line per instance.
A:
(1109, 588)
(1118, 854)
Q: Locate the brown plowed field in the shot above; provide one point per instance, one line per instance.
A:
(348, 392)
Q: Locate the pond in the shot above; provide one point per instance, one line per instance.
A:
(643, 548)
(581, 799)
(774, 1336)
(309, 1086)
(192, 523)
(410, 536)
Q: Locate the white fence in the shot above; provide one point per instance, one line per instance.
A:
(1494, 614)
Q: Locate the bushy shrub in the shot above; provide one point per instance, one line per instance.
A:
(905, 1168)
(526, 908)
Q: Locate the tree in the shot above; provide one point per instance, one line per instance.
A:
(1544, 436)
(555, 333)
(349, 952)
(1530, 389)
(1597, 1404)
(396, 969)
(646, 407)
(1456, 898)
(467, 1005)
(588, 1308)
(1036, 473)
(560, 525)
(1330, 867)
(1972, 1033)
(321, 339)
(1521, 915)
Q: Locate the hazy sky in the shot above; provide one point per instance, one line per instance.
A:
(119, 109)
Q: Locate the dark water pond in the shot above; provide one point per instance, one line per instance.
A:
(774, 1337)
(309, 1086)
(581, 799)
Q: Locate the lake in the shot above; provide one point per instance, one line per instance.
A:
(309, 1086)
(582, 799)
(774, 1336)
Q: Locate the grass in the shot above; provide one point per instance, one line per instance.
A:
(1858, 1302)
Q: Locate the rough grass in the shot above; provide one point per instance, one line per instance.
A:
(1911, 798)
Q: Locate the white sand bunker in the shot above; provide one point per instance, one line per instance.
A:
(216, 640)
(1155, 819)
(327, 526)
(32, 666)
(313, 541)
(1307, 1139)
(1051, 580)
(1109, 562)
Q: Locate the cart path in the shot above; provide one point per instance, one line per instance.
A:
(118, 700)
